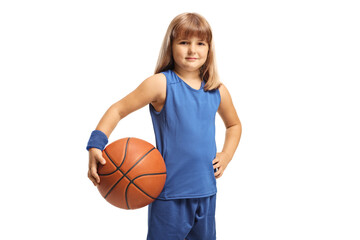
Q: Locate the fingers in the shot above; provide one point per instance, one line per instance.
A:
(93, 172)
(95, 157)
(219, 165)
(219, 172)
(217, 168)
(216, 163)
(101, 160)
(93, 179)
(96, 154)
(93, 175)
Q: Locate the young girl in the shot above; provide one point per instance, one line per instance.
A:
(183, 96)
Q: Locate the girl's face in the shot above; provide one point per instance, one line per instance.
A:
(189, 54)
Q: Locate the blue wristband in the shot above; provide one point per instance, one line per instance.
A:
(98, 139)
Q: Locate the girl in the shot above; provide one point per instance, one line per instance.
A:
(183, 97)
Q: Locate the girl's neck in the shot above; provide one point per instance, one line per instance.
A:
(187, 75)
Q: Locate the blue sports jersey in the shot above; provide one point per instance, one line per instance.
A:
(185, 136)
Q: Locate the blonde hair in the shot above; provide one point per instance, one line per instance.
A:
(188, 25)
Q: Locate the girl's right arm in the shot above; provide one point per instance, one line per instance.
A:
(151, 90)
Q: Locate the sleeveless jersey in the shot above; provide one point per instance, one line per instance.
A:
(185, 136)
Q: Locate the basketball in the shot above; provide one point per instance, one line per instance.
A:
(134, 174)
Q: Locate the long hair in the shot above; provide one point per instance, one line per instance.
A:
(188, 25)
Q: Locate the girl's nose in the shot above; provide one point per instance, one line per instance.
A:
(191, 49)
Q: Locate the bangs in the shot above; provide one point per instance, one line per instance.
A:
(192, 27)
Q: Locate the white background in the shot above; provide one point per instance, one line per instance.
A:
(292, 68)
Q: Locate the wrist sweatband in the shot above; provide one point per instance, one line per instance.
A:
(98, 139)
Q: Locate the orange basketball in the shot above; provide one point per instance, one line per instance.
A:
(134, 174)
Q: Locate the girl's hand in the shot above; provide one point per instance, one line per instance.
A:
(95, 156)
(220, 163)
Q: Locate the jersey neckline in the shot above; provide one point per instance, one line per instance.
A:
(187, 85)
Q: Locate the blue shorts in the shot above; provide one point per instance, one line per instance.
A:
(190, 219)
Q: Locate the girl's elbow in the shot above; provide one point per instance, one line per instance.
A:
(237, 128)
(115, 110)
(240, 129)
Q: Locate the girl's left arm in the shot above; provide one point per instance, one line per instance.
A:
(233, 132)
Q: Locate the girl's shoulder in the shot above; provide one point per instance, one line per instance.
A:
(157, 78)
(156, 81)
(157, 85)
(224, 92)
(225, 97)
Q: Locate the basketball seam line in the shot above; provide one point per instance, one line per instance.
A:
(127, 204)
(117, 167)
(124, 174)
(113, 186)
(127, 141)
(132, 181)
(149, 174)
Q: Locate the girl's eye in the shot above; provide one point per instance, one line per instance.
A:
(201, 43)
(183, 42)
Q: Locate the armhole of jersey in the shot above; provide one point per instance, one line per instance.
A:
(166, 97)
